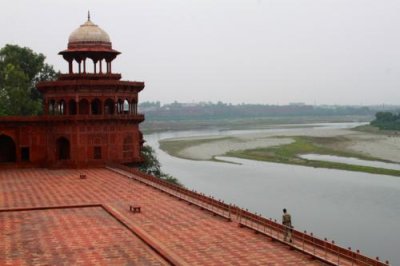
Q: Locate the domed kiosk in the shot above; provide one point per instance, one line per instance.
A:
(89, 41)
(89, 33)
(90, 114)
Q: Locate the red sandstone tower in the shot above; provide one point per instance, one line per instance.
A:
(90, 115)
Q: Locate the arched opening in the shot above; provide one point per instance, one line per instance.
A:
(120, 106)
(61, 107)
(83, 107)
(89, 66)
(109, 107)
(52, 107)
(96, 107)
(63, 149)
(7, 149)
(72, 107)
(126, 106)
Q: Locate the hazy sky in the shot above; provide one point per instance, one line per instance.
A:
(252, 51)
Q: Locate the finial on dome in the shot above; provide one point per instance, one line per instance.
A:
(88, 15)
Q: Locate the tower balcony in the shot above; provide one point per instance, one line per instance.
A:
(90, 76)
(137, 118)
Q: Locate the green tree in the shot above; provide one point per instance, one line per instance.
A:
(20, 70)
(385, 116)
(152, 166)
(387, 121)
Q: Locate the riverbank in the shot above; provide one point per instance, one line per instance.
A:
(286, 145)
(154, 126)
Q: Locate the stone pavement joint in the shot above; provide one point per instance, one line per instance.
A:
(153, 243)
(69, 236)
(118, 217)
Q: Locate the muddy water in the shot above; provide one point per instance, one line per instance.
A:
(355, 209)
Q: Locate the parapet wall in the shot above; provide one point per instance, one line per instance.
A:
(320, 249)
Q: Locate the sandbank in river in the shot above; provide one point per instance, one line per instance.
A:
(347, 142)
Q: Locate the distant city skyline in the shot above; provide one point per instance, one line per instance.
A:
(258, 51)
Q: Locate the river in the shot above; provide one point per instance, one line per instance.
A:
(357, 210)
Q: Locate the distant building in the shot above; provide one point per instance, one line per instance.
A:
(90, 116)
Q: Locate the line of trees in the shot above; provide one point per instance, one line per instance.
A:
(387, 121)
(176, 111)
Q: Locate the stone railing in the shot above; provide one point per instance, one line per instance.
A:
(323, 250)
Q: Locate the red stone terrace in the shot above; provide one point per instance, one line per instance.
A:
(118, 216)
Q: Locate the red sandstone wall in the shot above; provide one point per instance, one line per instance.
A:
(109, 137)
(118, 140)
(32, 136)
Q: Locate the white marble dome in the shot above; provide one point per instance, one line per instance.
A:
(89, 32)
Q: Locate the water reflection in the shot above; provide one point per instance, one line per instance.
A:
(355, 209)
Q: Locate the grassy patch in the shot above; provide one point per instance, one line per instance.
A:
(375, 130)
(289, 154)
(304, 145)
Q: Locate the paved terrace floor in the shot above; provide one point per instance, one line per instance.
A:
(107, 233)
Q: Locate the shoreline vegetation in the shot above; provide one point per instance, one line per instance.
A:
(153, 126)
(286, 148)
(387, 121)
(368, 142)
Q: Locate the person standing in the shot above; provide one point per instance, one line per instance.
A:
(287, 222)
